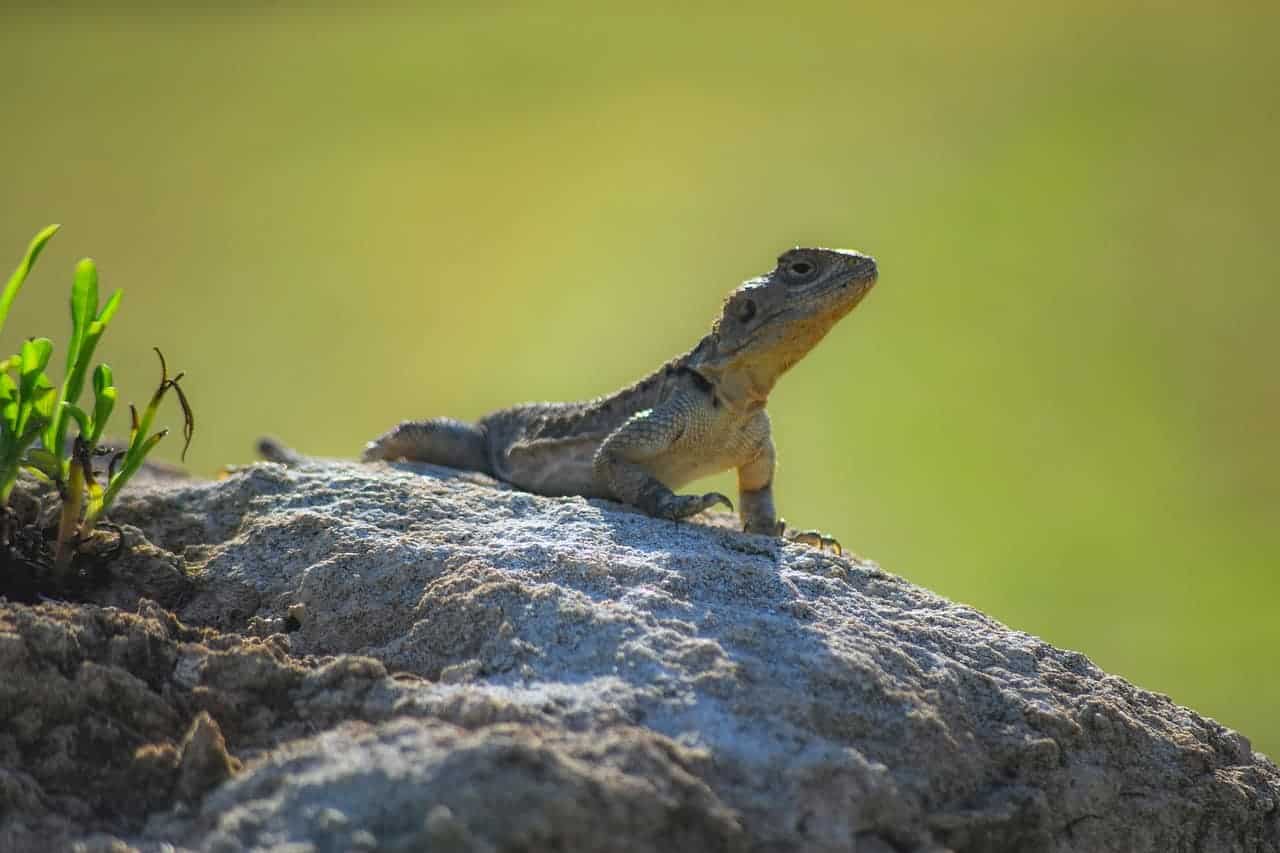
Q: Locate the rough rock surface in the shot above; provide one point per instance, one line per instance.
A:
(348, 657)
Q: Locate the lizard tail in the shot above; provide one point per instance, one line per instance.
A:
(274, 450)
(440, 441)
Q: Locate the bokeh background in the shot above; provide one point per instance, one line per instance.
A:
(1060, 405)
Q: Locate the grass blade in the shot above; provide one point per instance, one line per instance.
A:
(20, 274)
(84, 307)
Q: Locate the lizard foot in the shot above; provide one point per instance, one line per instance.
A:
(682, 506)
(812, 538)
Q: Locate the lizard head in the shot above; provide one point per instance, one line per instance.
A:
(770, 322)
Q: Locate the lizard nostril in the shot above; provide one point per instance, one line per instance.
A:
(747, 310)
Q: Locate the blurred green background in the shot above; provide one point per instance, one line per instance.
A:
(1060, 405)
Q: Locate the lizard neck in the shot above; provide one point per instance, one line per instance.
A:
(742, 387)
(742, 380)
(744, 373)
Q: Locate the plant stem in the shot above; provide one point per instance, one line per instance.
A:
(69, 520)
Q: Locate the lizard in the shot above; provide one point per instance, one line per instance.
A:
(700, 413)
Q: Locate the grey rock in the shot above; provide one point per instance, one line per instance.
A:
(410, 659)
(426, 785)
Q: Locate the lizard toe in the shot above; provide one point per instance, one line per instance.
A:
(821, 541)
(812, 538)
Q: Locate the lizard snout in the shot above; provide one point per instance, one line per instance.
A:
(863, 267)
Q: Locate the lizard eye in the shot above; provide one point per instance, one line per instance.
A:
(800, 271)
(745, 310)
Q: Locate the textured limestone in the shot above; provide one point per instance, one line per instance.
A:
(408, 658)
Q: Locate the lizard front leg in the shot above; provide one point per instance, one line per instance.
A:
(755, 492)
(620, 463)
(755, 495)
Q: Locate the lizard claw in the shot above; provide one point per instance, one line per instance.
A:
(812, 538)
(713, 498)
(683, 506)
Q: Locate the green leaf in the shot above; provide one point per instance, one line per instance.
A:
(109, 310)
(32, 430)
(142, 426)
(78, 414)
(44, 397)
(75, 381)
(20, 274)
(102, 378)
(56, 434)
(35, 356)
(39, 459)
(104, 401)
(133, 459)
(148, 446)
(38, 473)
(9, 406)
(84, 307)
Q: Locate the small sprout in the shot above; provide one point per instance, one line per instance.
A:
(127, 463)
(32, 408)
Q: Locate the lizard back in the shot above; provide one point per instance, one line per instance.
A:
(548, 448)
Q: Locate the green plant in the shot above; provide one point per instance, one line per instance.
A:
(124, 463)
(26, 404)
(33, 408)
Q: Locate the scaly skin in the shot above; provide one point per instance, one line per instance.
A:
(698, 414)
